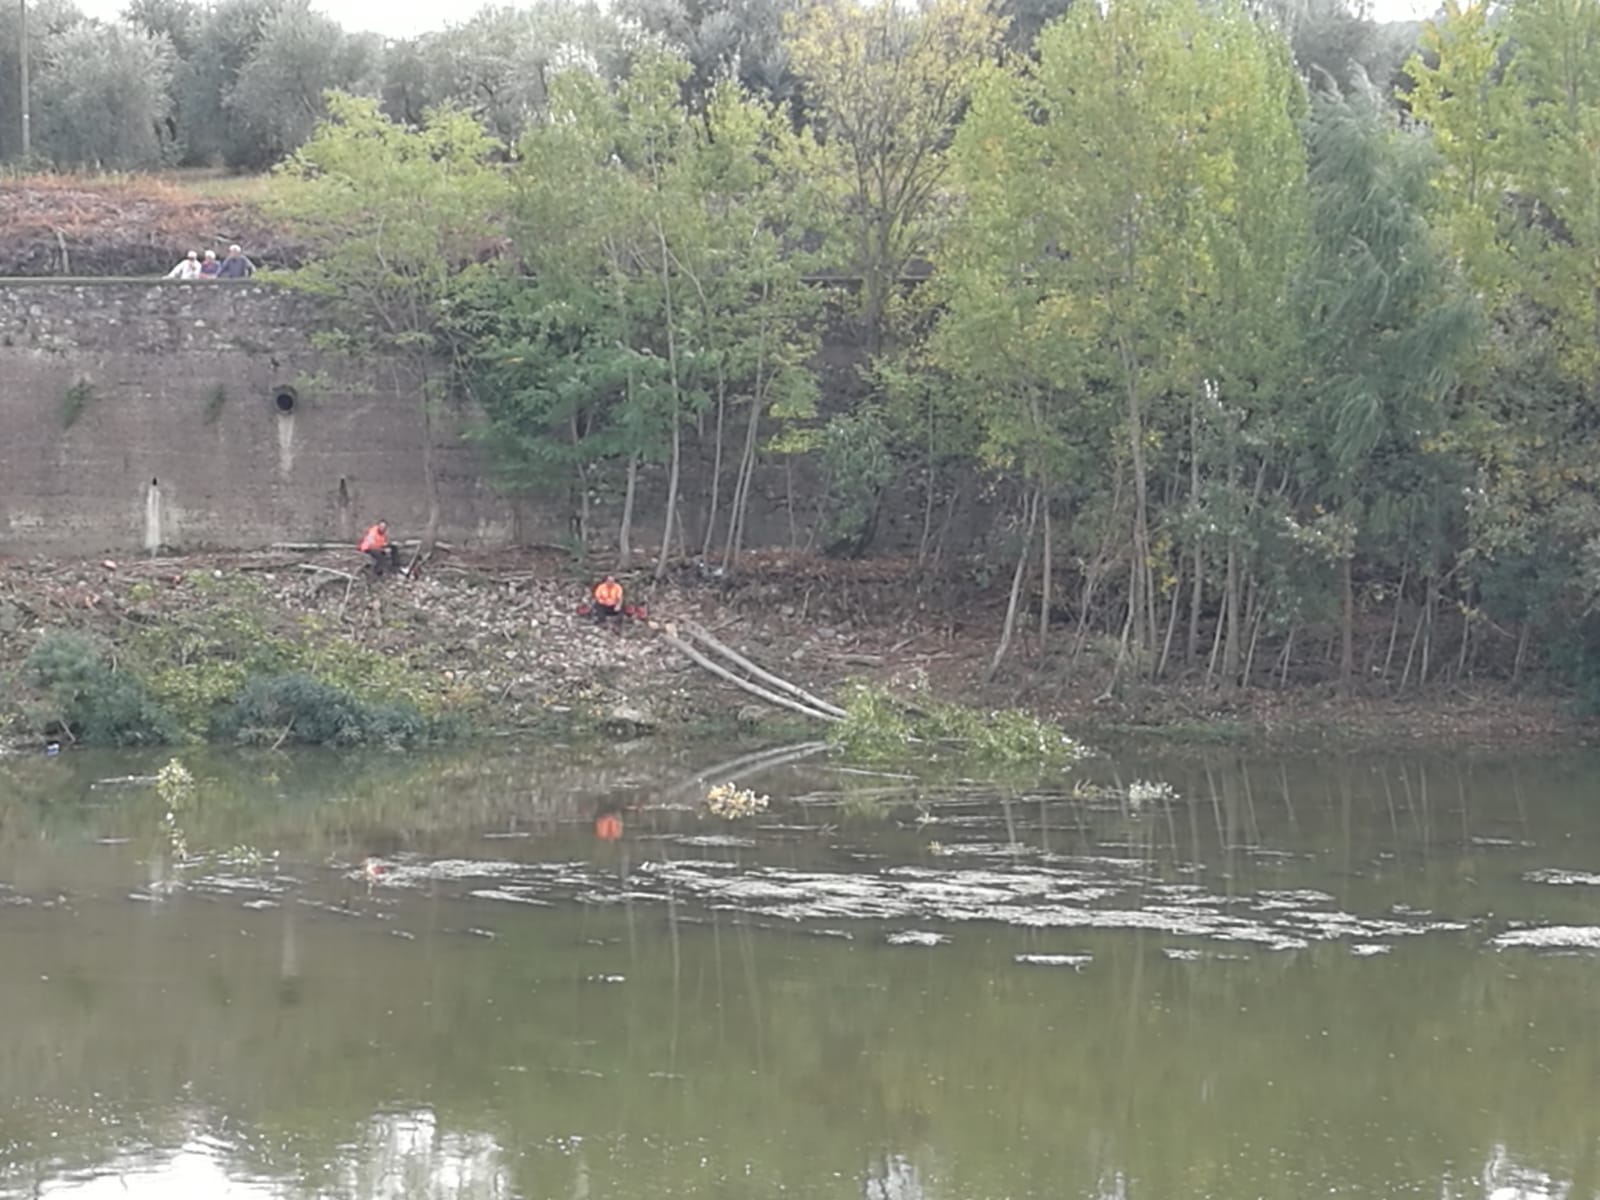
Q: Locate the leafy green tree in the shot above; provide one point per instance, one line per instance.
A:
(885, 86)
(1554, 76)
(225, 40)
(1509, 103)
(397, 218)
(500, 63)
(179, 22)
(1337, 42)
(1387, 325)
(721, 40)
(1133, 207)
(278, 97)
(102, 97)
(673, 298)
(48, 20)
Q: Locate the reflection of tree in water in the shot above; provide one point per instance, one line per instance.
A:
(893, 1177)
(1505, 1179)
(405, 1156)
(399, 1156)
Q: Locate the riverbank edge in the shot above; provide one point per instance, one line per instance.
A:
(505, 633)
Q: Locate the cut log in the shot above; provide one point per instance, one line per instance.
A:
(733, 656)
(745, 685)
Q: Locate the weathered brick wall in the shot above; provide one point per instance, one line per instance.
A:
(137, 412)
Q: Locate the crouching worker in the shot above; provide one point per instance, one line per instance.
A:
(375, 545)
(607, 598)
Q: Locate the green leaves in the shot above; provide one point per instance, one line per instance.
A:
(887, 87)
(396, 217)
(674, 290)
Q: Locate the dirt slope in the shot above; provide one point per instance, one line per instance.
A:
(125, 225)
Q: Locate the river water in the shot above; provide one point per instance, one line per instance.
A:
(329, 976)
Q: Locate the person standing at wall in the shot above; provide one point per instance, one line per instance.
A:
(210, 267)
(236, 265)
(189, 268)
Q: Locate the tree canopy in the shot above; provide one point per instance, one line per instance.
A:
(1251, 341)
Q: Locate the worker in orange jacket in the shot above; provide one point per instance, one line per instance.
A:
(608, 598)
(375, 545)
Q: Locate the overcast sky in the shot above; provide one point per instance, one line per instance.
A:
(403, 18)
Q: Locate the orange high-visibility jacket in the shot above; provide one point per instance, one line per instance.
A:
(375, 539)
(608, 594)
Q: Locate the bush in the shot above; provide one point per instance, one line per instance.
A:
(97, 704)
(880, 726)
(276, 709)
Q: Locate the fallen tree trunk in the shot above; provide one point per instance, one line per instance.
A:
(745, 685)
(733, 656)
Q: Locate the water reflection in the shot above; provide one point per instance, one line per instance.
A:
(399, 1156)
(198, 1168)
(406, 1156)
(1289, 978)
(894, 1177)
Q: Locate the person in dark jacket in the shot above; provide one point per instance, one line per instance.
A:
(236, 265)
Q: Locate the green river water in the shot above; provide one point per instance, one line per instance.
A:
(334, 976)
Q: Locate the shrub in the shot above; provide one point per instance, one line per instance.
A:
(99, 705)
(297, 707)
(878, 725)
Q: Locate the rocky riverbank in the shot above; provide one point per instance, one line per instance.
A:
(496, 644)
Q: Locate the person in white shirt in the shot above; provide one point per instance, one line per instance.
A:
(189, 268)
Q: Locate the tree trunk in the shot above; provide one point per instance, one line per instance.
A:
(741, 488)
(1045, 567)
(927, 521)
(672, 500)
(747, 458)
(1522, 653)
(715, 499)
(1257, 619)
(1347, 632)
(1466, 636)
(1230, 645)
(430, 475)
(788, 491)
(1172, 622)
(625, 530)
(676, 416)
(1411, 652)
(1216, 650)
(579, 512)
(1427, 640)
(1394, 626)
(1016, 591)
(1139, 600)
(1197, 597)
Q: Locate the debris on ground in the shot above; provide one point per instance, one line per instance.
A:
(124, 225)
(505, 627)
